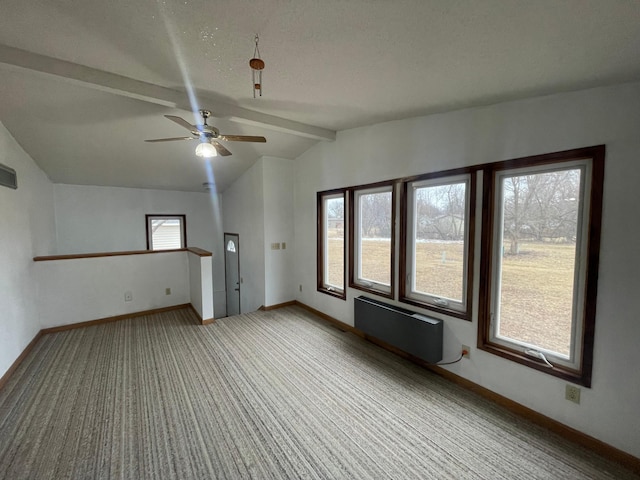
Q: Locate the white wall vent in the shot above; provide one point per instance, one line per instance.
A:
(8, 177)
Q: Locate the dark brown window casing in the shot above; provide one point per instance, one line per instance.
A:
(582, 375)
(183, 223)
(352, 239)
(338, 293)
(404, 257)
(596, 155)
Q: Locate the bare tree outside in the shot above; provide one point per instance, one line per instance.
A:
(440, 219)
(335, 209)
(541, 207)
(375, 215)
(537, 251)
(540, 220)
(440, 212)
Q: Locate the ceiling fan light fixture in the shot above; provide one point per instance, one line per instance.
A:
(208, 136)
(206, 150)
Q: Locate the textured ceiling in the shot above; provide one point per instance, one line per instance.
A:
(334, 64)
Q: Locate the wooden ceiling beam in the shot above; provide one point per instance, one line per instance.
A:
(149, 92)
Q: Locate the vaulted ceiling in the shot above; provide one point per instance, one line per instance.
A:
(84, 82)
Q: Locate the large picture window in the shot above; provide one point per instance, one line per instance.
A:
(372, 238)
(541, 254)
(438, 253)
(331, 242)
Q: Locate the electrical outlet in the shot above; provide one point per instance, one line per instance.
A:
(468, 354)
(128, 296)
(284, 246)
(167, 291)
(572, 393)
(275, 246)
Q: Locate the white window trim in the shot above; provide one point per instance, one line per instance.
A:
(326, 285)
(423, 297)
(573, 360)
(358, 279)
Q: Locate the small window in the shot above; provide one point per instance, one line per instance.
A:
(372, 239)
(541, 268)
(438, 226)
(166, 232)
(331, 243)
(231, 246)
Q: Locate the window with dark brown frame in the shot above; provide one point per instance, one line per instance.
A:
(539, 261)
(166, 232)
(539, 252)
(437, 242)
(372, 238)
(331, 230)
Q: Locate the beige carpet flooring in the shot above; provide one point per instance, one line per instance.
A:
(265, 395)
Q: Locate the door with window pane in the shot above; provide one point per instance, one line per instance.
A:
(232, 272)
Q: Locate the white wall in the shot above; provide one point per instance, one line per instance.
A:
(26, 230)
(109, 219)
(243, 213)
(278, 228)
(611, 116)
(78, 290)
(200, 285)
(259, 207)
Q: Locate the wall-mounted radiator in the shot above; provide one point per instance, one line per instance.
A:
(411, 332)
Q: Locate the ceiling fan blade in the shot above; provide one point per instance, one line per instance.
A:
(170, 139)
(181, 122)
(242, 138)
(223, 152)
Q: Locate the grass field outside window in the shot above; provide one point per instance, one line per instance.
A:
(540, 284)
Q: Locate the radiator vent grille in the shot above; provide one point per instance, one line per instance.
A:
(409, 331)
(8, 177)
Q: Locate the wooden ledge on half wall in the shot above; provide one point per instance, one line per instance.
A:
(195, 250)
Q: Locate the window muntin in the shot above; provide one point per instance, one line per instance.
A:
(166, 232)
(558, 274)
(372, 242)
(437, 258)
(331, 239)
(539, 244)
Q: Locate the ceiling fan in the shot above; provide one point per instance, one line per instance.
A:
(208, 136)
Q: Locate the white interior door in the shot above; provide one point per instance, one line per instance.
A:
(232, 272)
